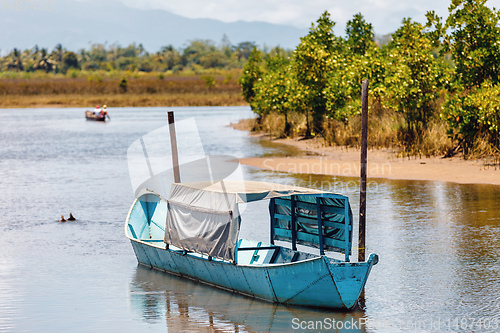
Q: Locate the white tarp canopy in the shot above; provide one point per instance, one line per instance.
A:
(203, 217)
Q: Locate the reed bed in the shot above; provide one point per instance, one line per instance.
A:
(149, 90)
(121, 100)
(385, 130)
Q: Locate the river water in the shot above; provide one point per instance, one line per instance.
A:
(438, 242)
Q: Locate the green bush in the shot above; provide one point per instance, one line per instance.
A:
(473, 116)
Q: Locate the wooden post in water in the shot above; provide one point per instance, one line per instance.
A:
(362, 193)
(173, 144)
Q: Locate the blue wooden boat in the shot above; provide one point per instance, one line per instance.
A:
(195, 234)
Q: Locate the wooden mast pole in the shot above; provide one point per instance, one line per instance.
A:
(173, 144)
(362, 194)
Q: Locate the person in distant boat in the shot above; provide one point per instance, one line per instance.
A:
(97, 110)
(103, 112)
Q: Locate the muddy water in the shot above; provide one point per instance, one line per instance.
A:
(438, 243)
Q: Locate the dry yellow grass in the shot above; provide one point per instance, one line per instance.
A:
(138, 91)
(385, 131)
(120, 100)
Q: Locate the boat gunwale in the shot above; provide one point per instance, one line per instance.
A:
(130, 237)
(199, 256)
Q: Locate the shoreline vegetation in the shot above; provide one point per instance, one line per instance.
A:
(204, 73)
(118, 100)
(382, 162)
(87, 89)
(434, 87)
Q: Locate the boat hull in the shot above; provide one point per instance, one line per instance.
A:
(316, 282)
(96, 117)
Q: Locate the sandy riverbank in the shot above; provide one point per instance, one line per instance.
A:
(382, 163)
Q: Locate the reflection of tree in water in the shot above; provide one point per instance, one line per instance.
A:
(148, 301)
(150, 307)
(181, 317)
(194, 307)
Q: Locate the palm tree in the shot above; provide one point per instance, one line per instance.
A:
(15, 61)
(44, 62)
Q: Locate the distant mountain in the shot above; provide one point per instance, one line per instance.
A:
(77, 24)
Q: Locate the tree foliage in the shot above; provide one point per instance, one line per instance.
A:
(277, 91)
(197, 55)
(357, 61)
(313, 61)
(69, 60)
(472, 35)
(360, 35)
(412, 76)
(475, 116)
(453, 60)
(252, 73)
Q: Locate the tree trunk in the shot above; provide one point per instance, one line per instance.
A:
(318, 123)
(288, 127)
(308, 128)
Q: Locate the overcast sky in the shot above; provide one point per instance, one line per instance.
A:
(385, 15)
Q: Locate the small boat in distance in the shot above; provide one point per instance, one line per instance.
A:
(98, 114)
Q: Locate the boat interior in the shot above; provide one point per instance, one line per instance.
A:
(147, 224)
(249, 252)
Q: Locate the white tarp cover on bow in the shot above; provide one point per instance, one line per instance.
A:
(203, 217)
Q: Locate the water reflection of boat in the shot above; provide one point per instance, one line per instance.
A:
(194, 234)
(191, 307)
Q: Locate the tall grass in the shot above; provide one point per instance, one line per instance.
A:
(95, 83)
(120, 100)
(273, 124)
(382, 131)
(386, 129)
(80, 88)
(432, 141)
(483, 148)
